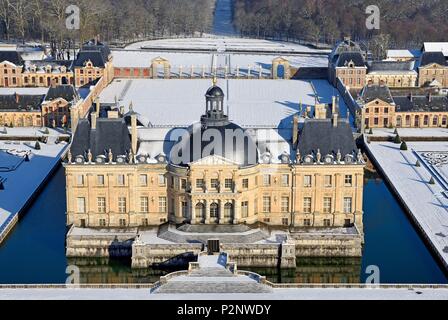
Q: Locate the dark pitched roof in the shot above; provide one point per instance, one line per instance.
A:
(345, 58)
(94, 56)
(109, 134)
(11, 56)
(372, 92)
(432, 57)
(94, 45)
(15, 102)
(66, 92)
(421, 103)
(322, 135)
(391, 66)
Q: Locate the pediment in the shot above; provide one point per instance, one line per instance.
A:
(380, 102)
(214, 160)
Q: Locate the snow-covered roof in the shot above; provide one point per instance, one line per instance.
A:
(24, 91)
(436, 47)
(180, 103)
(395, 54)
(142, 59)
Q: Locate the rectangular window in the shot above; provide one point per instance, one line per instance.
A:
(307, 181)
(245, 183)
(122, 205)
(327, 205)
(81, 205)
(120, 179)
(267, 180)
(102, 222)
(144, 204)
(285, 204)
(80, 180)
(348, 180)
(122, 222)
(347, 223)
(266, 204)
(143, 180)
(183, 184)
(214, 184)
(100, 180)
(200, 183)
(307, 222)
(285, 180)
(307, 205)
(348, 201)
(228, 183)
(285, 221)
(162, 205)
(145, 222)
(327, 223)
(328, 181)
(244, 209)
(101, 204)
(162, 180)
(184, 206)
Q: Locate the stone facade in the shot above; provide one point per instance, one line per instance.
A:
(433, 72)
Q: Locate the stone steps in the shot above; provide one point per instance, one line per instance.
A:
(212, 287)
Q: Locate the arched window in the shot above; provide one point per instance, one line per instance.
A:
(444, 121)
(435, 121)
(200, 210)
(417, 121)
(228, 210)
(399, 121)
(426, 121)
(214, 210)
(408, 121)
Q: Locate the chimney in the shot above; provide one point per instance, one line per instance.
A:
(295, 130)
(93, 117)
(97, 106)
(112, 114)
(411, 97)
(333, 105)
(17, 97)
(430, 97)
(335, 119)
(134, 133)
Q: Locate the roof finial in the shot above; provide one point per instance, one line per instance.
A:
(131, 107)
(214, 80)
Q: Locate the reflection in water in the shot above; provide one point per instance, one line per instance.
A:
(309, 270)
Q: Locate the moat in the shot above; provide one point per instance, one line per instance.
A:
(35, 251)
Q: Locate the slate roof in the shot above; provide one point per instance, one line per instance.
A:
(11, 56)
(345, 57)
(322, 135)
(421, 103)
(433, 57)
(41, 65)
(66, 92)
(93, 45)
(379, 66)
(15, 102)
(94, 56)
(109, 134)
(372, 92)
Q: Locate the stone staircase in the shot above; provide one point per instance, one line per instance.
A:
(172, 234)
(210, 277)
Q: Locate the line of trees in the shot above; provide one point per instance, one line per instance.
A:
(404, 23)
(113, 20)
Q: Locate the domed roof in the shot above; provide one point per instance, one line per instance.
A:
(228, 141)
(214, 91)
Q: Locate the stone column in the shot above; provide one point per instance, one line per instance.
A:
(207, 212)
(221, 219)
(236, 212)
(192, 212)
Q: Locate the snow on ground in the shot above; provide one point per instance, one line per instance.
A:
(142, 59)
(180, 103)
(428, 204)
(224, 44)
(412, 132)
(24, 91)
(28, 132)
(403, 293)
(21, 183)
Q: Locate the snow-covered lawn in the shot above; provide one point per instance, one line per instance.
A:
(412, 132)
(21, 183)
(276, 294)
(427, 202)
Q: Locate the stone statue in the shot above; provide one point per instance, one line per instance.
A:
(69, 156)
(360, 157)
(339, 156)
(89, 156)
(318, 156)
(298, 156)
(110, 156)
(131, 157)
